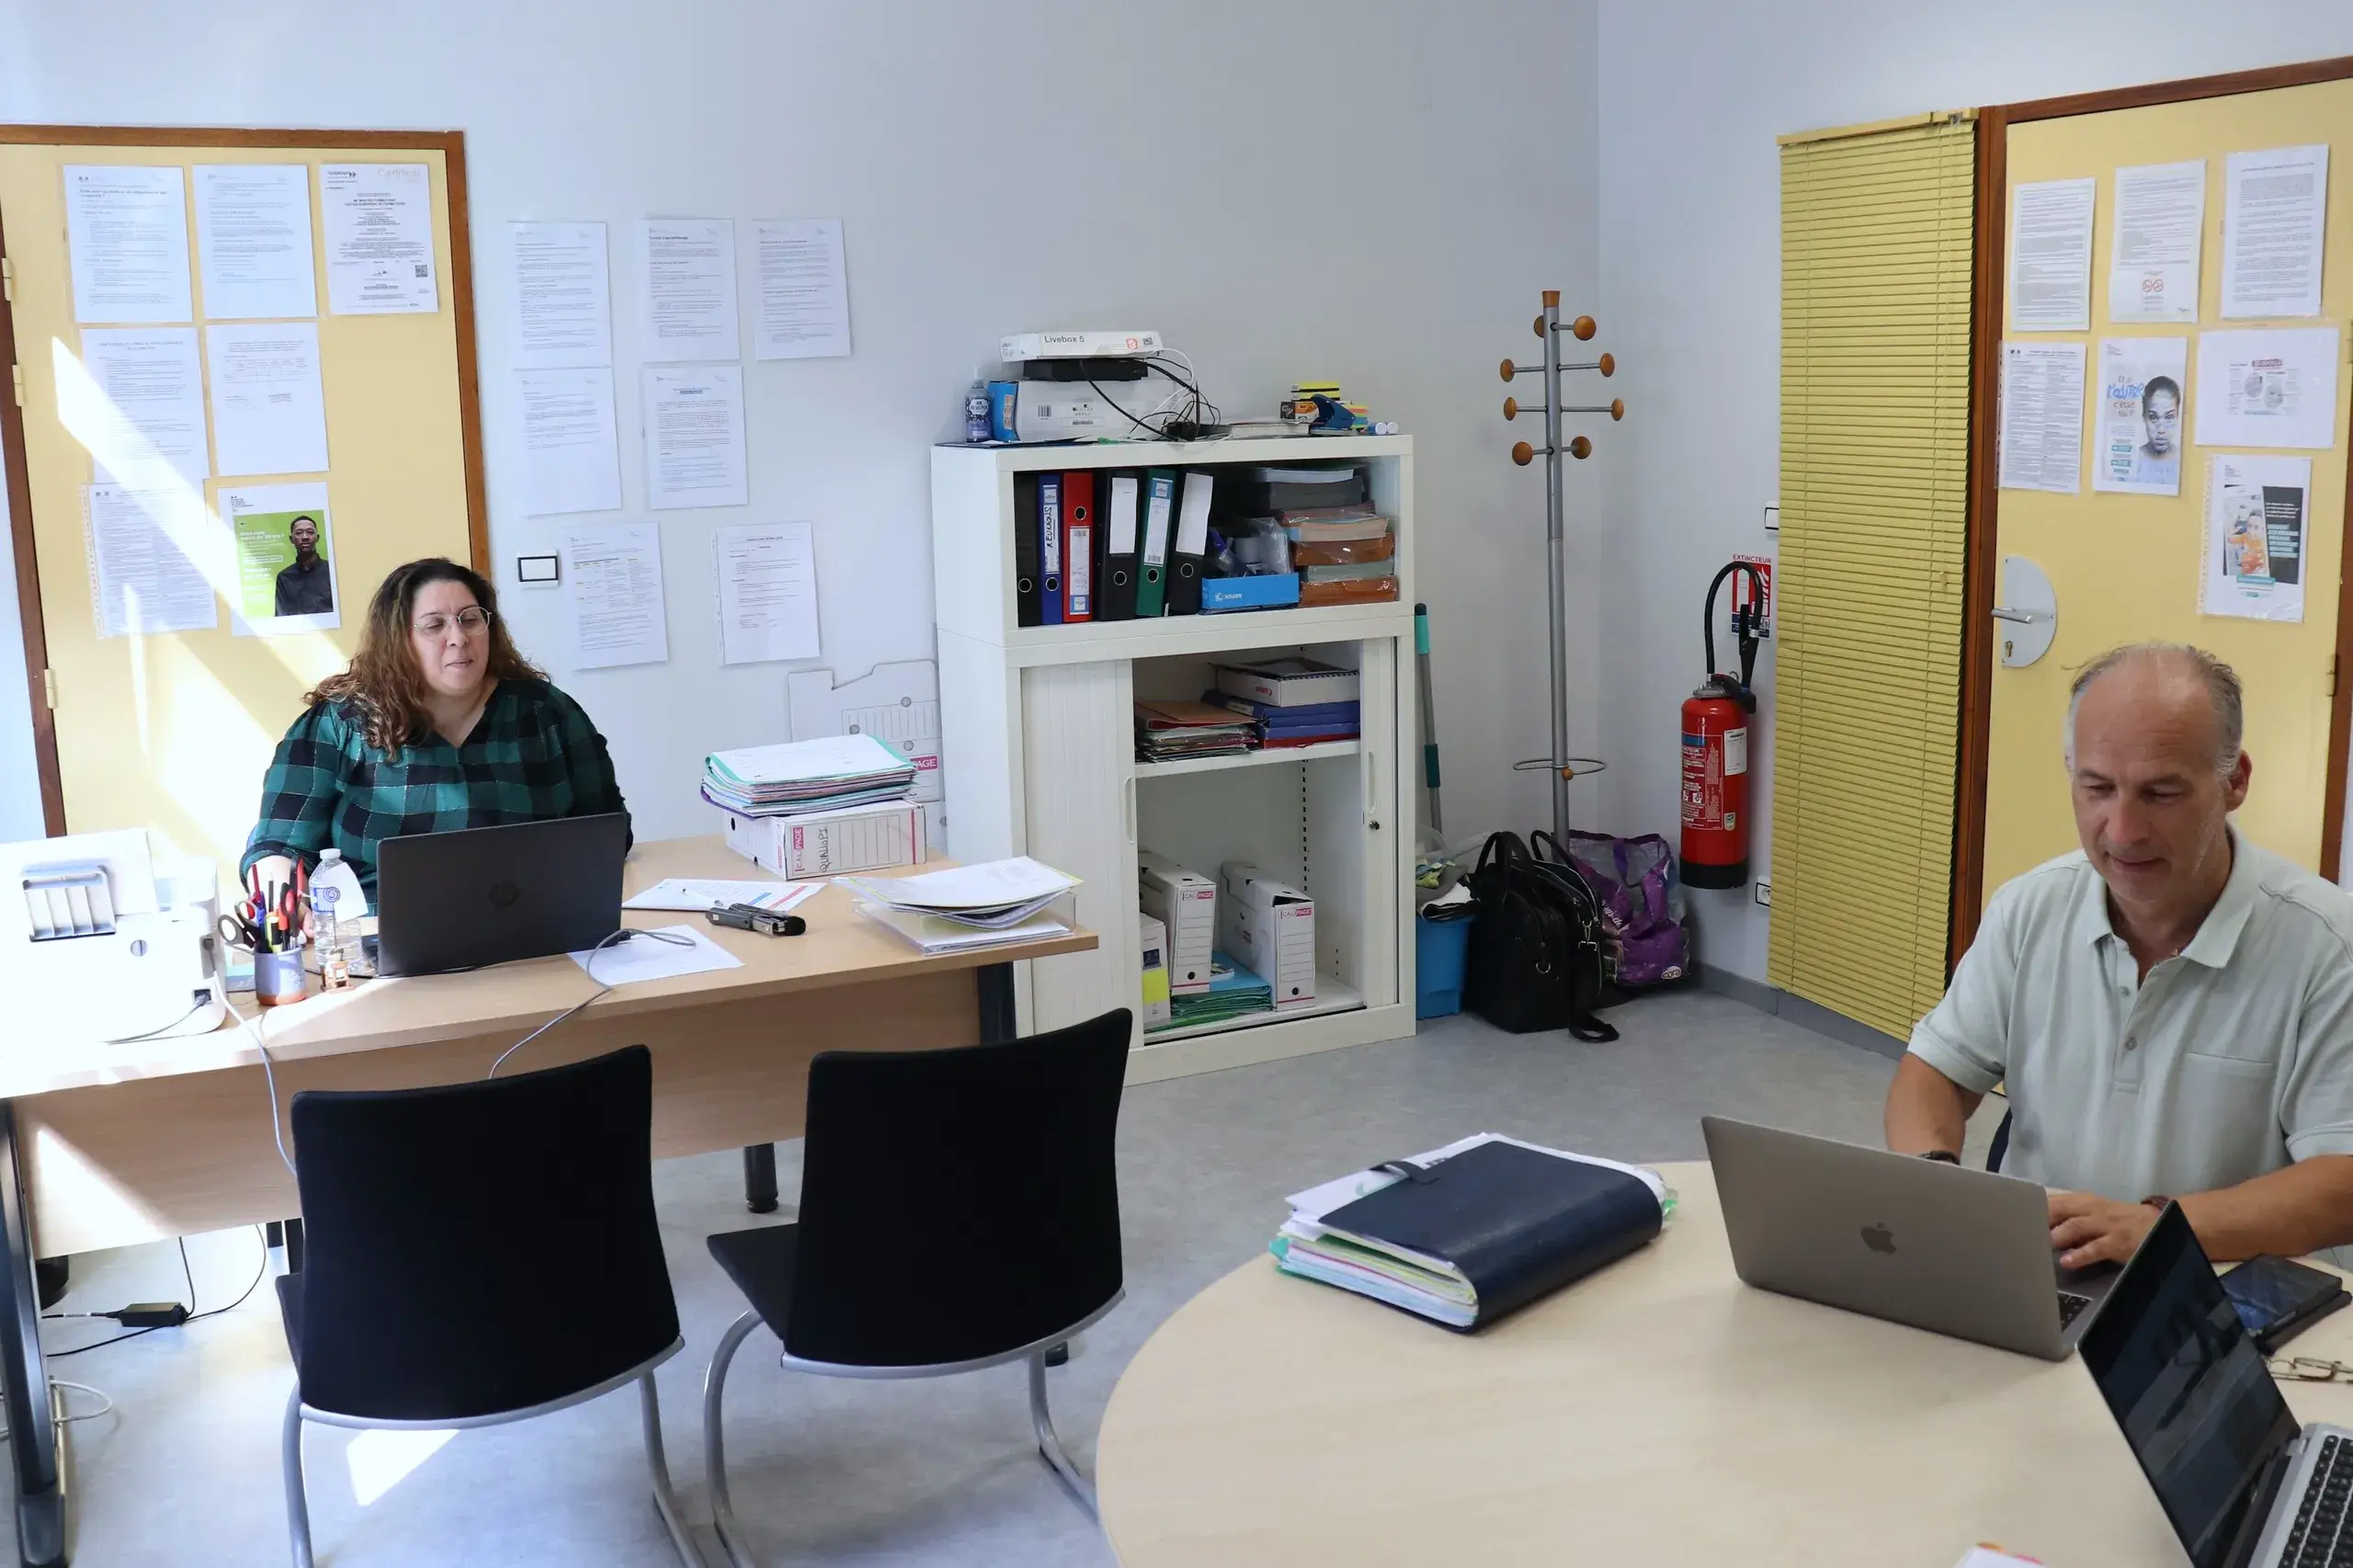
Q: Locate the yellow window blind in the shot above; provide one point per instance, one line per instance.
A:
(1876, 240)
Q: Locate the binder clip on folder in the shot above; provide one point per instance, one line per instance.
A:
(101, 942)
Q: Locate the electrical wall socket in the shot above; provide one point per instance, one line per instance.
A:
(1764, 892)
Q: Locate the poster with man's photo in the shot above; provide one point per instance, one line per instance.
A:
(2139, 409)
(2259, 513)
(284, 544)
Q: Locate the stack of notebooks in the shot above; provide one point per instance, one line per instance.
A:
(966, 907)
(807, 775)
(1465, 1234)
(1234, 993)
(1290, 703)
(1167, 732)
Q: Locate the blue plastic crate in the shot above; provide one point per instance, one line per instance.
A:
(1441, 954)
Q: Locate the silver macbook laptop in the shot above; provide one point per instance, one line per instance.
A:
(1954, 1251)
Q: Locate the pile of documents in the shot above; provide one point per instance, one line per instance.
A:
(1234, 993)
(1290, 703)
(807, 775)
(1343, 554)
(967, 906)
(1167, 731)
(1524, 1228)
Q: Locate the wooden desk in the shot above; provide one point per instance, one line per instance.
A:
(1657, 1413)
(103, 1145)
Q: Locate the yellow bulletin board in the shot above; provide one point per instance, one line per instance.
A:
(2127, 567)
(173, 730)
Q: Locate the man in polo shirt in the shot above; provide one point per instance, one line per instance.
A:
(2171, 1005)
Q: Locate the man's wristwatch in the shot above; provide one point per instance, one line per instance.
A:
(1945, 1156)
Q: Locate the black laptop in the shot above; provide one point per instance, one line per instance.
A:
(485, 895)
(2244, 1485)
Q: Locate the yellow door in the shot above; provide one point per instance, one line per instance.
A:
(2124, 567)
(172, 730)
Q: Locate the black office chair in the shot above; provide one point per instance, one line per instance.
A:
(479, 1253)
(2001, 1145)
(995, 1164)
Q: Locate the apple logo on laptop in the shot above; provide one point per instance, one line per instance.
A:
(1879, 1238)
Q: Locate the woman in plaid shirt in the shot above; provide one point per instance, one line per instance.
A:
(439, 724)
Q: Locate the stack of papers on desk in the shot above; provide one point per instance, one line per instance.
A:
(938, 934)
(1542, 1246)
(806, 775)
(1001, 896)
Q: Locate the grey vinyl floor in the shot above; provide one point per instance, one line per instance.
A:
(184, 1470)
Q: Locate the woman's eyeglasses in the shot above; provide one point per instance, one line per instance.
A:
(471, 620)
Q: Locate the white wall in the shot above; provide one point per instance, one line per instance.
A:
(1692, 97)
(1375, 194)
(20, 814)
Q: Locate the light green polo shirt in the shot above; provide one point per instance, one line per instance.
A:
(2234, 1059)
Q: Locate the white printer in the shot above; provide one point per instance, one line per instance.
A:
(100, 942)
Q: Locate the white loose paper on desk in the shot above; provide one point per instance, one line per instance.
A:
(803, 300)
(2274, 213)
(768, 592)
(639, 959)
(612, 579)
(563, 302)
(696, 894)
(268, 415)
(135, 400)
(252, 240)
(2258, 512)
(126, 242)
(2050, 255)
(2042, 416)
(572, 460)
(146, 553)
(380, 239)
(685, 290)
(2267, 389)
(2160, 223)
(694, 437)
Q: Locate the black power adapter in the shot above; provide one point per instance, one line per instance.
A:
(149, 1314)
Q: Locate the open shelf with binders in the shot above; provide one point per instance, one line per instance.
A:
(1040, 756)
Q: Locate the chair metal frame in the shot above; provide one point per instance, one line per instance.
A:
(666, 1500)
(714, 1388)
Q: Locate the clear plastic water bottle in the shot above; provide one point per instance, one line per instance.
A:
(324, 895)
(976, 412)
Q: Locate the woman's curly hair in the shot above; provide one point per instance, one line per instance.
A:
(384, 685)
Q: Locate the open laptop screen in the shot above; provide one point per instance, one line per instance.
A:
(2187, 1386)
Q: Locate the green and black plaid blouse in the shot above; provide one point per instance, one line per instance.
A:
(533, 755)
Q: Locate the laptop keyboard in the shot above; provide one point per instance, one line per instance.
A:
(2071, 1307)
(2317, 1539)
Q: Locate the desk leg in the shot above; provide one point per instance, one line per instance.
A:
(999, 1023)
(760, 1178)
(32, 1437)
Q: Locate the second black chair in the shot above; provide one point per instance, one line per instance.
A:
(478, 1253)
(958, 1210)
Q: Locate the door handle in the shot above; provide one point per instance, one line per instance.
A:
(2029, 611)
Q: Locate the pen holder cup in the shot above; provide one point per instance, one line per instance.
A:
(277, 978)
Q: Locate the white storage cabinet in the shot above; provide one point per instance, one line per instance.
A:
(1039, 758)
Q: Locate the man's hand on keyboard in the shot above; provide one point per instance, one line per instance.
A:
(2086, 1228)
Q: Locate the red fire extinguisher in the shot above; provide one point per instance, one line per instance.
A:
(1715, 751)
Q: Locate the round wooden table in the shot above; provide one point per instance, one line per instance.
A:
(1656, 1414)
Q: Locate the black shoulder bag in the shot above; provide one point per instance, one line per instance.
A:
(1535, 960)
